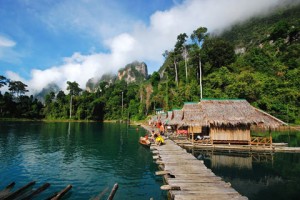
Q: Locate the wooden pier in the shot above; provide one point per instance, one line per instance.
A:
(188, 178)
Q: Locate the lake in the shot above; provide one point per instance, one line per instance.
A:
(92, 157)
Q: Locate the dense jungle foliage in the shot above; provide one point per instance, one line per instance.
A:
(257, 60)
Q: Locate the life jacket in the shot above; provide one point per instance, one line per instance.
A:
(160, 139)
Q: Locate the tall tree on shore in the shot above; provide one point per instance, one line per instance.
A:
(180, 49)
(17, 87)
(198, 36)
(74, 89)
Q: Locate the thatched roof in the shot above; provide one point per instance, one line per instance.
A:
(176, 118)
(228, 112)
(167, 118)
(191, 106)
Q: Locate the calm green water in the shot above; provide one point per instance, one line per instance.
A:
(264, 176)
(90, 156)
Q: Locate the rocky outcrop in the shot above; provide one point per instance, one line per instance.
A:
(133, 72)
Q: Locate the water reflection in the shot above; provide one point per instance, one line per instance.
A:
(256, 175)
(219, 159)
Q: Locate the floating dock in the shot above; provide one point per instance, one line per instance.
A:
(275, 147)
(188, 178)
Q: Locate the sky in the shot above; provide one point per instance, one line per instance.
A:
(54, 41)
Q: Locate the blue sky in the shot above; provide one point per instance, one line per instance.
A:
(55, 41)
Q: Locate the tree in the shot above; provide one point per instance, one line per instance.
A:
(198, 37)
(280, 30)
(49, 98)
(154, 79)
(3, 81)
(61, 97)
(218, 52)
(74, 89)
(180, 48)
(17, 87)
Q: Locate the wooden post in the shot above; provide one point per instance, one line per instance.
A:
(193, 135)
(113, 192)
(270, 135)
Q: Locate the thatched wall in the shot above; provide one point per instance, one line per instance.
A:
(230, 133)
(195, 129)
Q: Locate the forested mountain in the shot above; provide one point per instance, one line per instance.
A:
(257, 60)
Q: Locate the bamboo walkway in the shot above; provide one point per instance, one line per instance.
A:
(188, 178)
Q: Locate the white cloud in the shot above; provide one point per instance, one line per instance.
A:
(5, 42)
(14, 76)
(143, 43)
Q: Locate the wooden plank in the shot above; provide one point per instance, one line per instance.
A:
(159, 173)
(188, 176)
(155, 157)
(207, 185)
(169, 187)
(208, 197)
(194, 180)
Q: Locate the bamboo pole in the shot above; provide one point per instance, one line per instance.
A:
(19, 191)
(62, 193)
(6, 190)
(37, 191)
(113, 192)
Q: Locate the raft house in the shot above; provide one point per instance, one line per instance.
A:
(213, 122)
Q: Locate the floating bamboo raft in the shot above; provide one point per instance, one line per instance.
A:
(188, 178)
(26, 192)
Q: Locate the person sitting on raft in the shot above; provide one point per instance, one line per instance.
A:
(159, 140)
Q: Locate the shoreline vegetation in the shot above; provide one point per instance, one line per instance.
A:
(143, 123)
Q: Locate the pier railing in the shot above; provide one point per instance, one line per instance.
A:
(266, 141)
